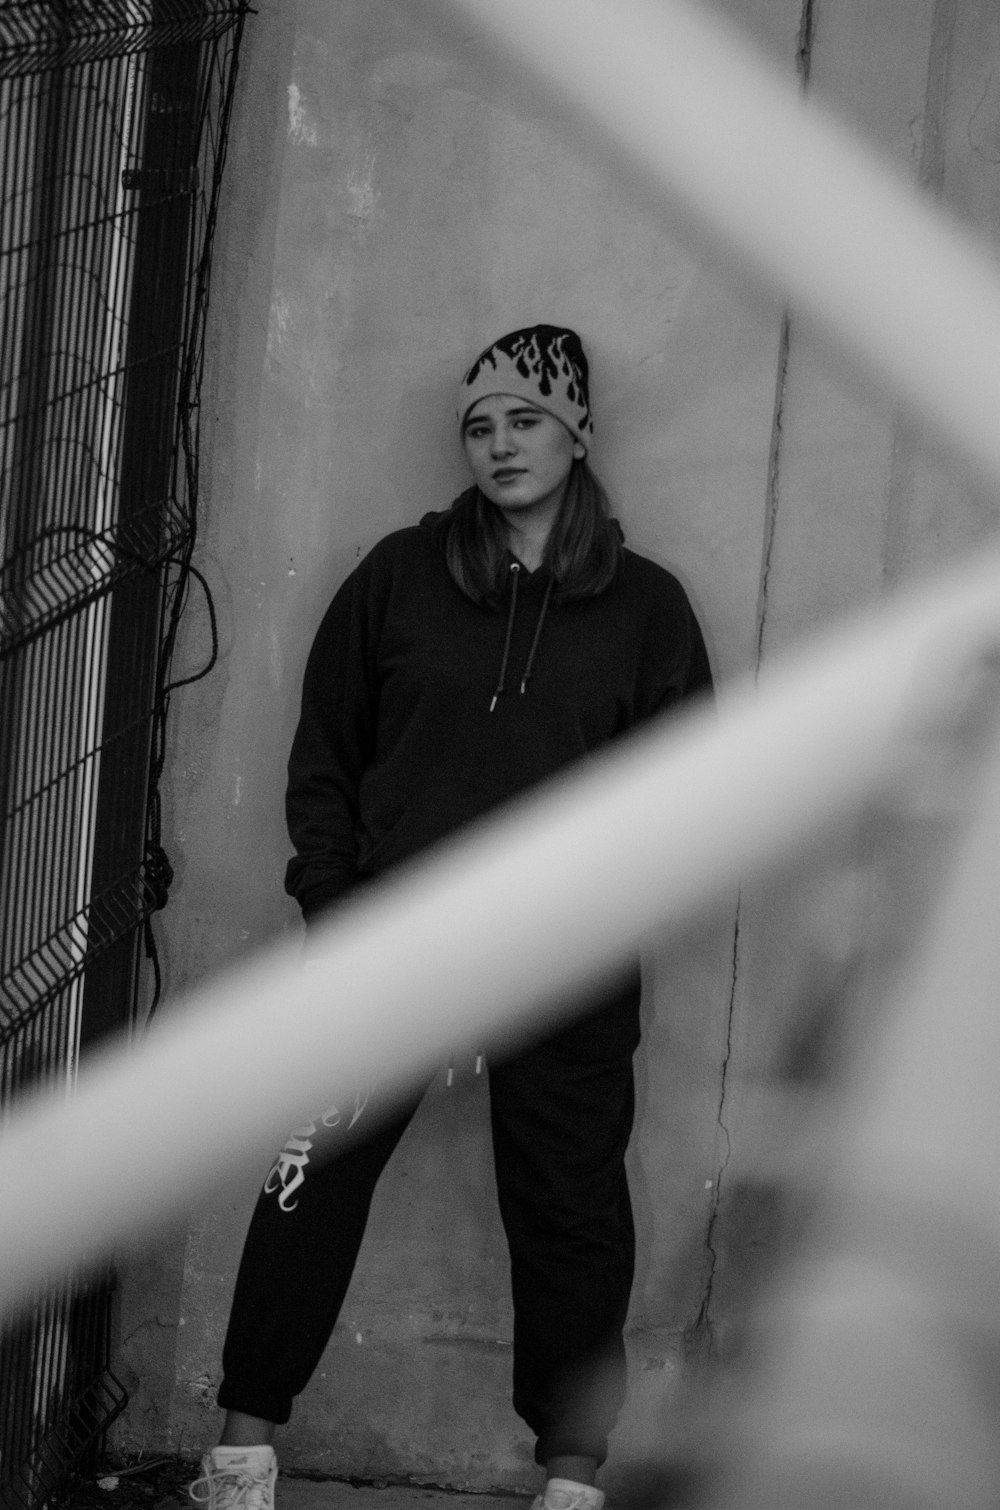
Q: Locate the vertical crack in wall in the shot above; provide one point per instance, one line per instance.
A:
(931, 161)
(804, 44)
(908, 439)
(771, 498)
(704, 1326)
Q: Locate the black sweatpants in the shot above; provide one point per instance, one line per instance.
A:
(561, 1113)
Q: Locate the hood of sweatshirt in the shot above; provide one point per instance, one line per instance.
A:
(434, 518)
(517, 572)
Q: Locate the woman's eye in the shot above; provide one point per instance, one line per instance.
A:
(526, 422)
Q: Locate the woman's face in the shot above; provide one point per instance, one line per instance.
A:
(520, 456)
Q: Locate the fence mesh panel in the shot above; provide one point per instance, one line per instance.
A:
(114, 118)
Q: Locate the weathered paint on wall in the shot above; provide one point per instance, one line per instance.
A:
(390, 204)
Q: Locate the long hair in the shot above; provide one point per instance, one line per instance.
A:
(583, 551)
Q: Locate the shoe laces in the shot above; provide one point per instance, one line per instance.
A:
(570, 1497)
(235, 1489)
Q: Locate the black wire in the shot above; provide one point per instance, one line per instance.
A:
(157, 864)
(157, 871)
(185, 681)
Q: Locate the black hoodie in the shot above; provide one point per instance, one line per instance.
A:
(406, 732)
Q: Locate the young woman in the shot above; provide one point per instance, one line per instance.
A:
(464, 660)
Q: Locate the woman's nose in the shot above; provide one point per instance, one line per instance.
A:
(503, 441)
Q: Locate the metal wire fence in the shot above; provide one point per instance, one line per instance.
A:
(114, 119)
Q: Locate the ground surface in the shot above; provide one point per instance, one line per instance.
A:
(162, 1485)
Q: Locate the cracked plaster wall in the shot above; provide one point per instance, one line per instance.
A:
(391, 202)
(859, 503)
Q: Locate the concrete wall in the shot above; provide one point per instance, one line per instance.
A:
(390, 204)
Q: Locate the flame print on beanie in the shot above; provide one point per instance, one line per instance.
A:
(545, 364)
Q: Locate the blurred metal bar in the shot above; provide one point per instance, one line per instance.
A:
(419, 965)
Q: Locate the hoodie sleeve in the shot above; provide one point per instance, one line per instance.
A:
(675, 666)
(699, 670)
(332, 747)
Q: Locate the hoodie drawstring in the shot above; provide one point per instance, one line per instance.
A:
(530, 663)
(515, 573)
(512, 610)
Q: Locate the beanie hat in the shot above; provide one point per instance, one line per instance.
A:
(542, 363)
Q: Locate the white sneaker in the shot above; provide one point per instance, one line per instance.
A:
(567, 1494)
(236, 1478)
